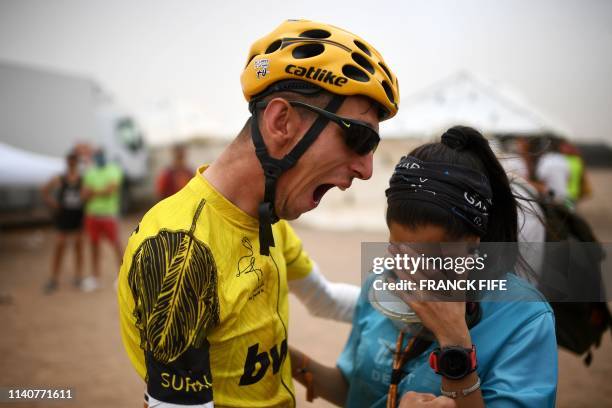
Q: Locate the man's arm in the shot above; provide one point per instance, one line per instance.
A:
(325, 299)
(329, 384)
(109, 190)
(46, 192)
(104, 192)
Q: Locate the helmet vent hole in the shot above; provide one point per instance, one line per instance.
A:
(363, 62)
(388, 91)
(274, 46)
(384, 67)
(317, 33)
(355, 73)
(308, 50)
(363, 47)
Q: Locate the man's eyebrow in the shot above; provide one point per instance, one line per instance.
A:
(370, 106)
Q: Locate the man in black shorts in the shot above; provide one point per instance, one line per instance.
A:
(63, 194)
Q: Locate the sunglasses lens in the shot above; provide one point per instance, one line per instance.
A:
(361, 139)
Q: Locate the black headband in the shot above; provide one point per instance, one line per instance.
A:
(461, 190)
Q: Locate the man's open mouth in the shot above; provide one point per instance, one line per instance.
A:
(320, 192)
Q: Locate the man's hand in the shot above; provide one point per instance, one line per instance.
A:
(413, 399)
(86, 193)
(110, 189)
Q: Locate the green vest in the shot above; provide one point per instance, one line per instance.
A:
(574, 183)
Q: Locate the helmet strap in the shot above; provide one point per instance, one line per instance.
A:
(274, 168)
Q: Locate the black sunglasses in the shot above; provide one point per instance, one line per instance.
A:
(358, 135)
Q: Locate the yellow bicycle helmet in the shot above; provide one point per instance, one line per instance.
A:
(304, 57)
(330, 57)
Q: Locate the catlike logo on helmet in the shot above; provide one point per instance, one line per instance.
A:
(318, 74)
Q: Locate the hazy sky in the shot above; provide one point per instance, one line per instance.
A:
(188, 55)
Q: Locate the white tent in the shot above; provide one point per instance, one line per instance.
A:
(462, 99)
(20, 168)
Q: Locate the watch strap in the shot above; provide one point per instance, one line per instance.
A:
(461, 393)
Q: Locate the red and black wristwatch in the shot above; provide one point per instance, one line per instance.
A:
(453, 362)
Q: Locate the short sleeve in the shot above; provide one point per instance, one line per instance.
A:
(346, 361)
(297, 260)
(511, 382)
(172, 281)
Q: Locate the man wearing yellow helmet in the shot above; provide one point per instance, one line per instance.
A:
(313, 71)
(203, 288)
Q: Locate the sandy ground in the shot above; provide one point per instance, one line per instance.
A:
(71, 339)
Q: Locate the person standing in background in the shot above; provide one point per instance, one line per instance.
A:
(102, 184)
(63, 194)
(553, 172)
(562, 173)
(176, 176)
(578, 186)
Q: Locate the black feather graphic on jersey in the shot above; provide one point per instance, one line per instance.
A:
(173, 279)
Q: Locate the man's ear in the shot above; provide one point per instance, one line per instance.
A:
(280, 127)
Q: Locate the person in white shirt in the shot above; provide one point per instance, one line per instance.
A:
(553, 171)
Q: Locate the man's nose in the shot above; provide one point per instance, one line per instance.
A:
(362, 166)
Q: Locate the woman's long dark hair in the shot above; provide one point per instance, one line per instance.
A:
(468, 148)
(465, 146)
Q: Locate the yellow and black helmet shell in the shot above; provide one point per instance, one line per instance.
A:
(324, 55)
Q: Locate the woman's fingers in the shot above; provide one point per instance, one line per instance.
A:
(413, 399)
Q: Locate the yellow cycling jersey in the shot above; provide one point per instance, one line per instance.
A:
(203, 315)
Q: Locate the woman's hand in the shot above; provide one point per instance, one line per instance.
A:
(446, 320)
(413, 399)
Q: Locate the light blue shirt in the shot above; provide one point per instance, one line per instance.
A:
(515, 346)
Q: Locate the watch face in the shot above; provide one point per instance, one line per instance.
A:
(454, 363)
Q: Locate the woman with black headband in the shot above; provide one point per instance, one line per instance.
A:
(480, 353)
